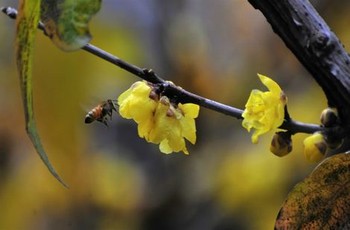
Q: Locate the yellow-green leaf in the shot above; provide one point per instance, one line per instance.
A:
(27, 22)
(66, 21)
(322, 200)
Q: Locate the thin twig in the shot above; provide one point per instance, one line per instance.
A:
(183, 95)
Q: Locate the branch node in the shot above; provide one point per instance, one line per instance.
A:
(322, 43)
(151, 76)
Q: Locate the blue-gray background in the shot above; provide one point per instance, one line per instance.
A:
(117, 180)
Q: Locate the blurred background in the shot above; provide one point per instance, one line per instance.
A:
(116, 179)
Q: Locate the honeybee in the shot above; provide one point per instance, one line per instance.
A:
(100, 112)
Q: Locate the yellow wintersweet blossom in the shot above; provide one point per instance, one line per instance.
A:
(264, 111)
(159, 121)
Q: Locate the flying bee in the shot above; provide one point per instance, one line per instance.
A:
(100, 112)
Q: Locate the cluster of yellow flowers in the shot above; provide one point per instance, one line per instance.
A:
(159, 120)
(265, 111)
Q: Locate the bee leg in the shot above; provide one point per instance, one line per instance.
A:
(113, 105)
(104, 121)
(110, 114)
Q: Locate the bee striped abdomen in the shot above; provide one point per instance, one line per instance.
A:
(94, 114)
(89, 119)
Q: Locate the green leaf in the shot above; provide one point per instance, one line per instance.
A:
(27, 22)
(322, 200)
(66, 21)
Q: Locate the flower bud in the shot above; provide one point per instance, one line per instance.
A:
(281, 144)
(329, 117)
(315, 147)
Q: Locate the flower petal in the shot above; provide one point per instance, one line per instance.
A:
(270, 84)
(189, 109)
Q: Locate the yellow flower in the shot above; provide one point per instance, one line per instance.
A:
(315, 147)
(264, 111)
(159, 121)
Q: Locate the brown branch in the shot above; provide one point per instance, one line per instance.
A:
(182, 95)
